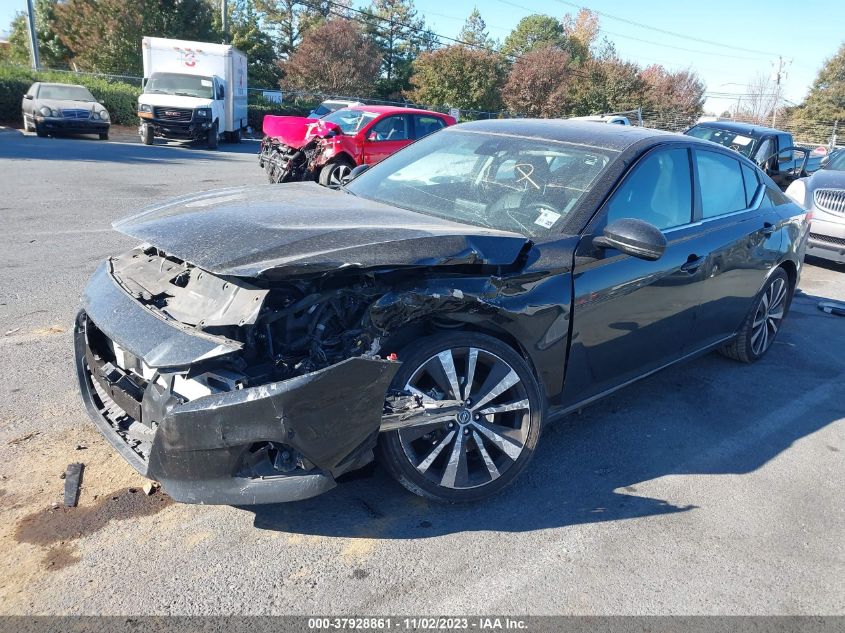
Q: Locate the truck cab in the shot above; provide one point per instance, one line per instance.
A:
(773, 150)
(192, 91)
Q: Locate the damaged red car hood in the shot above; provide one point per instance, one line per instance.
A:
(303, 227)
(296, 131)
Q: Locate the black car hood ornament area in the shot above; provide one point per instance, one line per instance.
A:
(303, 228)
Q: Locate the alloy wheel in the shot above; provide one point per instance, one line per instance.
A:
(768, 317)
(486, 430)
(338, 174)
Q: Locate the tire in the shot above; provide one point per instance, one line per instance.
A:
(213, 137)
(235, 137)
(332, 174)
(104, 136)
(26, 126)
(490, 448)
(147, 135)
(39, 131)
(763, 322)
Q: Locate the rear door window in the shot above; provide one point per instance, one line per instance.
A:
(426, 124)
(721, 183)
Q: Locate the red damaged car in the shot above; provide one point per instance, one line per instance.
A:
(327, 149)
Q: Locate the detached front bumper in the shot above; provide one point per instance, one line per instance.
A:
(204, 450)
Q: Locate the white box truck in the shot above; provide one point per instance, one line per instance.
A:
(192, 91)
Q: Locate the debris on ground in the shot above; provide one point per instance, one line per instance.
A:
(150, 487)
(832, 307)
(81, 447)
(73, 479)
(23, 438)
(12, 331)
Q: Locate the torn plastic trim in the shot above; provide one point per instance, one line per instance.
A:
(150, 336)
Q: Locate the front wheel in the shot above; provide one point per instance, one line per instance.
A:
(147, 136)
(213, 136)
(104, 136)
(333, 174)
(763, 323)
(488, 430)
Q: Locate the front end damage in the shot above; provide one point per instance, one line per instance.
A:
(268, 397)
(294, 149)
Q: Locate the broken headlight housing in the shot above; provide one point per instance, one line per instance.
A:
(203, 113)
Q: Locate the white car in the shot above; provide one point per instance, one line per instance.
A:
(331, 105)
(604, 118)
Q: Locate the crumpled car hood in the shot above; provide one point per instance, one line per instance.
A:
(296, 131)
(300, 228)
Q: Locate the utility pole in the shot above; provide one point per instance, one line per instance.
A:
(778, 75)
(33, 38)
(224, 20)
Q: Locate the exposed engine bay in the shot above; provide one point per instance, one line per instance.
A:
(283, 163)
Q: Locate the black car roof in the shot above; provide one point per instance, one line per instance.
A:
(592, 133)
(739, 126)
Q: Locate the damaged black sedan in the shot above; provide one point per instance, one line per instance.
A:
(436, 310)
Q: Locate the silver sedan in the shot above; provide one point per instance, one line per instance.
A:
(63, 108)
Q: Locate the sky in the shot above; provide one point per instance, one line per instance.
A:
(804, 33)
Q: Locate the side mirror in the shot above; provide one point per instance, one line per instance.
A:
(633, 237)
(357, 171)
(221, 92)
(372, 136)
(28, 96)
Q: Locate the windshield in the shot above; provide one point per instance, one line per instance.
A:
(738, 142)
(837, 163)
(67, 93)
(524, 185)
(350, 121)
(180, 84)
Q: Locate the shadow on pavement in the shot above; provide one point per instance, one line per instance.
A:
(712, 416)
(16, 145)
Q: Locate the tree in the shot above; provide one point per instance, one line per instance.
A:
(399, 34)
(532, 32)
(581, 32)
(105, 35)
(537, 84)
(459, 76)
(760, 100)
(675, 98)
(475, 32)
(606, 85)
(334, 58)
(51, 50)
(247, 35)
(290, 20)
(826, 99)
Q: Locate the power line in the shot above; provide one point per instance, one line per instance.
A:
(665, 31)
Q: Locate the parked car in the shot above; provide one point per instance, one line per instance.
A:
(440, 308)
(614, 119)
(49, 108)
(773, 150)
(823, 195)
(331, 105)
(327, 149)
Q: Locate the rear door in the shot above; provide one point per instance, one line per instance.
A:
(386, 136)
(425, 124)
(740, 228)
(633, 316)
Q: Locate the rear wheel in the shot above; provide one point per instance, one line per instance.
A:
(332, 175)
(488, 432)
(763, 323)
(147, 137)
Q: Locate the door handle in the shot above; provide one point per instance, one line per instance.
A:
(768, 229)
(694, 262)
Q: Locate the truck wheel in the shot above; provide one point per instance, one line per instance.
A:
(147, 137)
(213, 137)
(332, 175)
(235, 137)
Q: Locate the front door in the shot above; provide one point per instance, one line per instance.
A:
(384, 137)
(631, 316)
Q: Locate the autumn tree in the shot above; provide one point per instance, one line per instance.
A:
(674, 98)
(246, 34)
(459, 76)
(606, 85)
(581, 32)
(474, 31)
(534, 31)
(287, 21)
(334, 58)
(826, 99)
(105, 35)
(538, 83)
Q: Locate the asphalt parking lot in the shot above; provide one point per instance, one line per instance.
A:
(711, 488)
